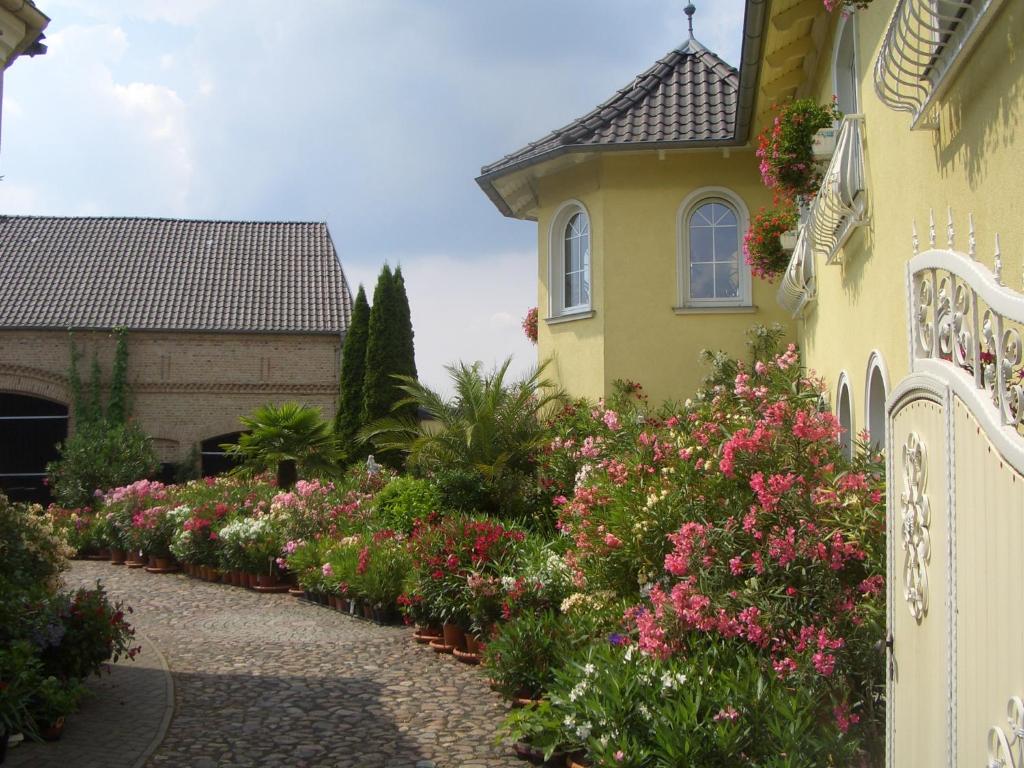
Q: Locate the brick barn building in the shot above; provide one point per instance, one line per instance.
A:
(222, 316)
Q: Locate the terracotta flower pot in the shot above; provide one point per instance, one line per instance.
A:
(53, 732)
(116, 556)
(253, 580)
(161, 563)
(266, 580)
(367, 611)
(454, 636)
(472, 643)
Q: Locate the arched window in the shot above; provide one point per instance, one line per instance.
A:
(844, 67)
(570, 289)
(875, 405)
(713, 272)
(844, 412)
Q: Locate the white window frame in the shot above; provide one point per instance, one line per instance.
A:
(876, 363)
(847, 438)
(690, 204)
(847, 20)
(556, 263)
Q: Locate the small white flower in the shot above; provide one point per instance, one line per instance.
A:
(589, 669)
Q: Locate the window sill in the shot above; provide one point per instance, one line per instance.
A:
(748, 309)
(568, 317)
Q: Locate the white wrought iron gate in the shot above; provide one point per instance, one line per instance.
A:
(956, 520)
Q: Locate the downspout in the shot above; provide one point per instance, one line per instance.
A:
(754, 20)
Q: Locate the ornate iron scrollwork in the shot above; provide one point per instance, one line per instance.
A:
(916, 514)
(1007, 751)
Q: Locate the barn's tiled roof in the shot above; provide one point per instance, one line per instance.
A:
(170, 274)
(689, 96)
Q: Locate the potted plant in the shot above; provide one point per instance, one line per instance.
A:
(21, 672)
(530, 324)
(786, 147)
(764, 244)
(52, 701)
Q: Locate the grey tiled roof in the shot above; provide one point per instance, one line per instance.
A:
(690, 95)
(170, 274)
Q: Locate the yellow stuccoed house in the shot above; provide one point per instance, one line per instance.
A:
(641, 207)
(903, 290)
(906, 287)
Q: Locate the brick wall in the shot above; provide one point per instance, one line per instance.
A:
(185, 387)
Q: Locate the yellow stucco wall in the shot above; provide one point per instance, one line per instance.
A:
(973, 164)
(634, 200)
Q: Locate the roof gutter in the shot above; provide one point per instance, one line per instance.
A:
(754, 20)
(486, 180)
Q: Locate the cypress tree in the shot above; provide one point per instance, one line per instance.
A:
(117, 411)
(353, 369)
(379, 390)
(406, 352)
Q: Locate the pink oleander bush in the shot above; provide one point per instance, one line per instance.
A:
(734, 519)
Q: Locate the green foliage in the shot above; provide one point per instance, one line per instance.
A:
(32, 551)
(349, 418)
(54, 699)
(190, 468)
(706, 708)
(523, 656)
(118, 408)
(94, 630)
(94, 404)
(99, 456)
(491, 428)
(21, 672)
(404, 500)
(103, 452)
(389, 349)
(380, 572)
(289, 438)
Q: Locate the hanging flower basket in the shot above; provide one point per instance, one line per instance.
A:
(530, 325)
(846, 5)
(763, 244)
(786, 147)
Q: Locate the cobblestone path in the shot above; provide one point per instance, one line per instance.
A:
(269, 680)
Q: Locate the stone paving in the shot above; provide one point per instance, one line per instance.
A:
(263, 679)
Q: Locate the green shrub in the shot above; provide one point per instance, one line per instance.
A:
(99, 456)
(94, 631)
(403, 501)
(626, 708)
(522, 657)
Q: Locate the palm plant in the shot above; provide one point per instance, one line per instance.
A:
(490, 427)
(285, 438)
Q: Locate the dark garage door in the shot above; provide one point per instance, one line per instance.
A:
(30, 429)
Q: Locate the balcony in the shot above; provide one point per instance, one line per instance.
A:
(839, 207)
(926, 42)
(797, 287)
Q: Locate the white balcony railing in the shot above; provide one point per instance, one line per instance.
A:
(839, 207)
(926, 42)
(797, 287)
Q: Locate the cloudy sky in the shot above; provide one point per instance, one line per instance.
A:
(372, 115)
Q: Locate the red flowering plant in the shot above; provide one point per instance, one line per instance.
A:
(446, 551)
(785, 148)
(530, 324)
(762, 244)
(738, 518)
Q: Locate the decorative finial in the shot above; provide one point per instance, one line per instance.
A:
(997, 265)
(972, 242)
(689, 10)
(950, 232)
(931, 228)
(915, 240)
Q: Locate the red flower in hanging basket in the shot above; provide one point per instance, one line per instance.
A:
(762, 244)
(786, 147)
(530, 325)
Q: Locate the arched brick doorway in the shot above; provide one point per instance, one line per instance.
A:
(214, 461)
(30, 429)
